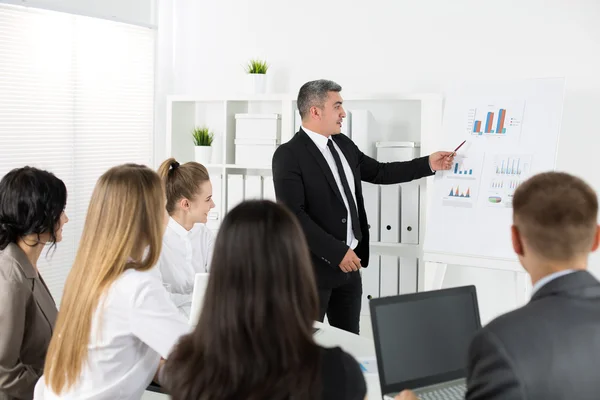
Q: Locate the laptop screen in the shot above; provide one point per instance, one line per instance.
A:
(423, 338)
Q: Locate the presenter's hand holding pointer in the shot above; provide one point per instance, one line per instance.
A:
(441, 160)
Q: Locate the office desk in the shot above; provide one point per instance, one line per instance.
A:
(328, 336)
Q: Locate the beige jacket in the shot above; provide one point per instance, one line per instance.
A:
(27, 316)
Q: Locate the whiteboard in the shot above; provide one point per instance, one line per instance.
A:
(511, 131)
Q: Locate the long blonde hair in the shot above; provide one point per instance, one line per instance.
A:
(124, 217)
(181, 180)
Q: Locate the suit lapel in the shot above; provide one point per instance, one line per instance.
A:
(41, 294)
(316, 153)
(45, 301)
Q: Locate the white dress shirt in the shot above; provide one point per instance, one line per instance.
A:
(135, 324)
(184, 253)
(321, 142)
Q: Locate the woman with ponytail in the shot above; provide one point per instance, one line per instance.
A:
(187, 242)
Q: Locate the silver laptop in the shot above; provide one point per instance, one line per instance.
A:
(422, 339)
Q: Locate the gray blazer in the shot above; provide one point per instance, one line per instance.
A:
(548, 349)
(27, 317)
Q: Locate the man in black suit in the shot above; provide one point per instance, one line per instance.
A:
(317, 174)
(547, 349)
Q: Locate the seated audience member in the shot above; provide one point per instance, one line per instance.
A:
(32, 204)
(187, 242)
(116, 320)
(547, 349)
(254, 339)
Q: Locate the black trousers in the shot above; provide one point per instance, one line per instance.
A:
(342, 303)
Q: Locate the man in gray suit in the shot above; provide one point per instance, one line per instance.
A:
(548, 349)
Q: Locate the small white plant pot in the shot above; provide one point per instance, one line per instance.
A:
(203, 154)
(257, 83)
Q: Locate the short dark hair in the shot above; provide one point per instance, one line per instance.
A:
(314, 93)
(31, 201)
(557, 215)
(254, 336)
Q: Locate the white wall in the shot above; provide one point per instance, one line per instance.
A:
(396, 46)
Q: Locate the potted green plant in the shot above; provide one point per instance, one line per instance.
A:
(257, 75)
(203, 139)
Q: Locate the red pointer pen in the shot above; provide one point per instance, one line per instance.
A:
(459, 146)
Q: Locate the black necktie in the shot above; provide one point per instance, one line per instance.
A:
(349, 197)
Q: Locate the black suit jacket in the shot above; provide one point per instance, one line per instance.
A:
(305, 184)
(547, 350)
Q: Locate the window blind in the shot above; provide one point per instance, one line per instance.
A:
(76, 98)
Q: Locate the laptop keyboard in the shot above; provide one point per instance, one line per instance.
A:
(456, 392)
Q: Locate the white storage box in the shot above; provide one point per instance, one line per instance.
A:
(257, 152)
(397, 151)
(258, 126)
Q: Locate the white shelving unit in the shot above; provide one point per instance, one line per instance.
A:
(412, 117)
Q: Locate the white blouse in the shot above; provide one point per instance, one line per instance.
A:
(134, 326)
(184, 253)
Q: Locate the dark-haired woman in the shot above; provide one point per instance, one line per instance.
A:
(32, 204)
(254, 339)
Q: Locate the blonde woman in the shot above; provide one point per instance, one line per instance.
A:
(187, 242)
(115, 320)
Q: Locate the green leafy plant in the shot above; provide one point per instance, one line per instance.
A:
(257, 67)
(202, 136)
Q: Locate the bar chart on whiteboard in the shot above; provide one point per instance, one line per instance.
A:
(462, 181)
(506, 174)
(499, 120)
(511, 131)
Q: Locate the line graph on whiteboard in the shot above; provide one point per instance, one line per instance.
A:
(507, 172)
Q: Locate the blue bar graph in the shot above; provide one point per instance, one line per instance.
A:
(462, 171)
(496, 127)
(499, 128)
(510, 166)
(488, 122)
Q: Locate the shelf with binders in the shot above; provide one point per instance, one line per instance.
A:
(395, 213)
(396, 249)
(371, 118)
(232, 186)
(257, 167)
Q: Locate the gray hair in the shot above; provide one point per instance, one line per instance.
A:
(314, 93)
